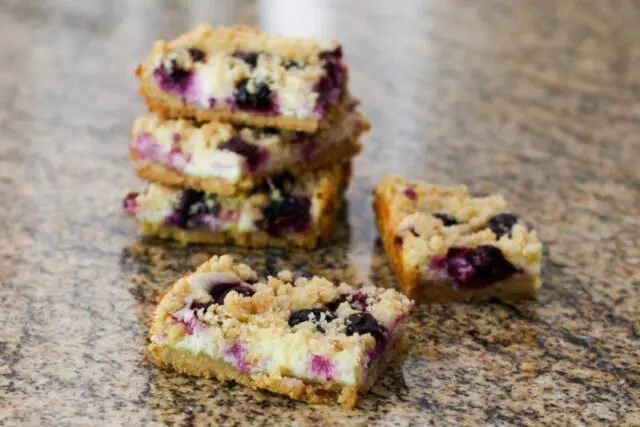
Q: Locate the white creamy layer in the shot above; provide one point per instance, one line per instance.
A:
(293, 89)
(160, 202)
(291, 354)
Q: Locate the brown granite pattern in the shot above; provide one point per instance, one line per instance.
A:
(538, 100)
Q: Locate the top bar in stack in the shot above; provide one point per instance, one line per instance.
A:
(244, 76)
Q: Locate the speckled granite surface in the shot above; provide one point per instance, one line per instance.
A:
(537, 100)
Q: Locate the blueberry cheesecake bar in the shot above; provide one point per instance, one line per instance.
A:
(309, 339)
(244, 76)
(446, 244)
(281, 211)
(225, 159)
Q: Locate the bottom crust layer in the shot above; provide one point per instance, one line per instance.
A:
(256, 239)
(202, 365)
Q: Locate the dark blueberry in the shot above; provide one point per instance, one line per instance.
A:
(365, 323)
(196, 54)
(129, 202)
(330, 87)
(357, 301)
(282, 182)
(502, 224)
(173, 78)
(254, 155)
(410, 193)
(285, 214)
(219, 291)
(301, 316)
(332, 55)
(251, 58)
(180, 215)
(477, 267)
(397, 240)
(271, 131)
(291, 63)
(195, 305)
(447, 220)
(259, 99)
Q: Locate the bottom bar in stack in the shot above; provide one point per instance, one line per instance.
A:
(309, 339)
(283, 211)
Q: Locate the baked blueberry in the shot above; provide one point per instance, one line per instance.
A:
(477, 267)
(365, 323)
(502, 224)
(305, 315)
(254, 155)
(251, 58)
(287, 213)
(196, 54)
(219, 291)
(291, 63)
(180, 216)
(447, 220)
(173, 78)
(259, 99)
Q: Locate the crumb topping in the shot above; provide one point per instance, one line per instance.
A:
(431, 219)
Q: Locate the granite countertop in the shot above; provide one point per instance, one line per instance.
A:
(537, 100)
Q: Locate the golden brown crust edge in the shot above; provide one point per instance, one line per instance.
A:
(408, 278)
(161, 174)
(170, 106)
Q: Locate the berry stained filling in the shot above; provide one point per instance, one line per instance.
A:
(176, 80)
(129, 204)
(147, 149)
(188, 80)
(260, 99)
(331, 86)
(474, 268)
(321, 366)
(287, 214)
(255, 156)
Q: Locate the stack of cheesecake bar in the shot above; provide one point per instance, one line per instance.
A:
(248, 139)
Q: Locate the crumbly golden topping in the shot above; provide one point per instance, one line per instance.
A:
(265, 313)
(252, 39)
(414, 208)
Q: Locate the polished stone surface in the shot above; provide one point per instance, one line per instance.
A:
(537, 100)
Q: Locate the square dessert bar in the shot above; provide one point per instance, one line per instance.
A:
(225, 159)
(446, 244)
(281, 211)
(308, 339)
(245, 76)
